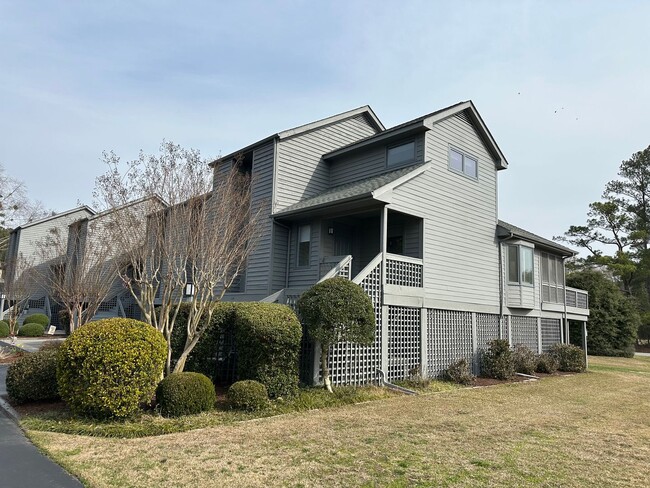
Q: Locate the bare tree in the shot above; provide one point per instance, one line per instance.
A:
(17, 290)
(15, 205)
(189, 250)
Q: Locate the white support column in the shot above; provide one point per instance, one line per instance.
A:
(316, 365)
(384, 340)
(509, 321)
(383, 229)
(539, 335)
(384, 245)
(475, 343)
(584, 342)
(567, 336)
(424, 350)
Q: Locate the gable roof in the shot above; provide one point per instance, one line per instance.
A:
(424, 123)
(372, 188)
(55, 216)
(504, 229)
(126, 205)
(364, 110)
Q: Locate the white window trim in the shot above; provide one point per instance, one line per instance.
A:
(465, 154)
(519, 246)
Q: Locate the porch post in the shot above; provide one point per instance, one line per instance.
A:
(475, 343)
(584, 342)
(424, 350)
(539, 335)
(383, 229)
(316, 364)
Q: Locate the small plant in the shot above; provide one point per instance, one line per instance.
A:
(416, 379)
(37, 318)
(4, 329)
(458, 372)
(546, 363)
(497, 361)
(570, 358)
(525, 359)
(108, 368)
(31, 330)
(33, 377)
(248, 395)
(185, 394)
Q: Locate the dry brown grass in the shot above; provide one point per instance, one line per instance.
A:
(589, 429)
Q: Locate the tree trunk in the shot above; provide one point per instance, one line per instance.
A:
(323, 363)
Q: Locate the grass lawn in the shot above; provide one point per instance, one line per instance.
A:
(590, 429)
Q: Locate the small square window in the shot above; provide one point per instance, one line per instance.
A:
(304, 245)
(404, 153)
(463, 163)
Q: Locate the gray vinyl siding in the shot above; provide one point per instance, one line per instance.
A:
(305, 276)
(258, 271)
(460, 248)
(370, 163)
(280, 249)
(301, 172)
(221, 170)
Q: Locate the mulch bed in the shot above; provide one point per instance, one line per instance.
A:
(38, 407)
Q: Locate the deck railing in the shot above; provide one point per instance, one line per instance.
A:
(403, 270)
(332, 266)
(577, 298)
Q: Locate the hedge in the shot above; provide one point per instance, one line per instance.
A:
(33, 377)
(109, 367)
(248, 395)
(525, 359)
(37, 318)
(185, 394)
(497, 361)
(569, 358)
(4, 329)
(31, 330)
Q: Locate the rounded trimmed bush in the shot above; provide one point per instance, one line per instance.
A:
(569, 358)
(248, 395)
(497, 361)
(4, 329)
(37, 318)
(185, 394)
(108, 368)
(525, 359)
(459, 372)
(546, 364)
(31, 330)
(33, 377)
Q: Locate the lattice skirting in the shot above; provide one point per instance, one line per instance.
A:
(551, 333)
(524, 331)
(449, 338)
(403, 342)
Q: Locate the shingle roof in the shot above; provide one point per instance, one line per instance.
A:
(529, 236)
(351, 191)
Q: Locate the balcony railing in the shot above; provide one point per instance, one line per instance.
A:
(403, 271)
(577, 298)
(332, 266)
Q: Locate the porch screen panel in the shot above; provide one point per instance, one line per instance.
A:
(551, 333)
(524, 331)
(352, 364)
(403, 342)
(449, 338)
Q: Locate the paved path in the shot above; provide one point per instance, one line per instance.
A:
(29, 344)
(645, 354)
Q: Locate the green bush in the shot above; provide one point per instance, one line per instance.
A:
(569, 358)
(458, 372)
(4, 329)
(267, 337)
(525, 359)
(497, 361)
(31, 330)
(33, 377)
(109, 367)
(37, 318)
(546, 363)
(185, 394)
(248, 395)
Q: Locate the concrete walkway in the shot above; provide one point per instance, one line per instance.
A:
(29, 344)
(644, 354)
(21, 464)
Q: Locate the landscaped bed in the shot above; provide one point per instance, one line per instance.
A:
(579, 430)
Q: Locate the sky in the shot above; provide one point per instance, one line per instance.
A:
(563, 86)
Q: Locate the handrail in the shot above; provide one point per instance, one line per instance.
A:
(405, 259)
(367, 270)
(275, 297)
(120, 306)
(336, 269)
(568, 288)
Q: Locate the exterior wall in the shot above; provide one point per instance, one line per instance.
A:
(370, 163)
(461, 263)
(301, 171)
(281, 236)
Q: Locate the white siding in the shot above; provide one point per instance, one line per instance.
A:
(301, 172)
(461, 262)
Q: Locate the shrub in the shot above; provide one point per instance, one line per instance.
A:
(459, 372)
(248, 395)
(37, 318)
(109, 367)
(546, 363)
(185, 394)
(33, 377)
(525, 359)
(569, 358)
(4, 329)
(31, 330)
(267, 338)
(497, 361)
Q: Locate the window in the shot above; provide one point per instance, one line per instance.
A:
(304, 244)
(552, 278)
(463, 163)
(404, 153)
(520, 265)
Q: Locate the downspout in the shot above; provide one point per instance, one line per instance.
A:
(286, 273)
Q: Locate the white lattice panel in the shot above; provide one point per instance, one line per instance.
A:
(524, 331)
(403, 273)
(449, 338)
(403, 342)
(487, 329)
(551, 333)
